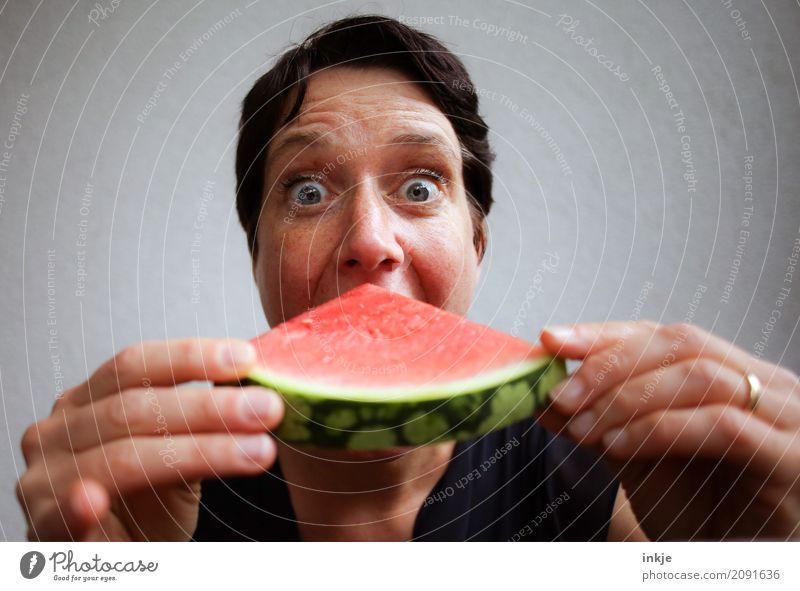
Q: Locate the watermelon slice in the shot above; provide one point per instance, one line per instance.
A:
(374, 369)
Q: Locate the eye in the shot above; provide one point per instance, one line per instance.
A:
(421, 188)
(305, 190)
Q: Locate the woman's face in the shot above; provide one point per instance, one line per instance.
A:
(365, 186)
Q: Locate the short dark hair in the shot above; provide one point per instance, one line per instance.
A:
(364, 40)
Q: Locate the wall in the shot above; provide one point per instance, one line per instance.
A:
(615, 200)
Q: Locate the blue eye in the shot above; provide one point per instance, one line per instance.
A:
(420, 189)
(305, 191)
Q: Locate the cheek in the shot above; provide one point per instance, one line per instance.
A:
(290, 258)
(446, 264)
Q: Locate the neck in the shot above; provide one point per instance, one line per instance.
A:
(343, 471)
(345, 488)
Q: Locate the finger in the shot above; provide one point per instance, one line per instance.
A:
(577, 341)
(164, 363)
(715, 432)
(128, 465)
(644, 349)
(686, 384)
(79, 509)
(555, 423)
(155, 411)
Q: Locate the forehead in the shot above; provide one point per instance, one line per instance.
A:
(365, 106)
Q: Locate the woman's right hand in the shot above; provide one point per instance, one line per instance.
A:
(122, 455)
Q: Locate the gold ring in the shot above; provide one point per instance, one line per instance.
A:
(755, 389)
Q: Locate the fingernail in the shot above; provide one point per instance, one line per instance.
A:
(582, 424)
(569, 392)
(232, 355)
(616, 439)
(254, 448)
(254, 407)
(561, 332)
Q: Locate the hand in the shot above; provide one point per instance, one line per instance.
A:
(668, 406)
(122, 455)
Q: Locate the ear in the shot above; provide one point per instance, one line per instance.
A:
(254, 260)
(479, 237)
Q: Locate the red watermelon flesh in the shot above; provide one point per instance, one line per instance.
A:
(360, 370)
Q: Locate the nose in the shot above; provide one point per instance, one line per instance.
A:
(370, 241)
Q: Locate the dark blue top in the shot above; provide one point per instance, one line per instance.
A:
(519, 483)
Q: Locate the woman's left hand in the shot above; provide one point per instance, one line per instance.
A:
(669, 408)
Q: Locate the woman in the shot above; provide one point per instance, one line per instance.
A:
(362, 158)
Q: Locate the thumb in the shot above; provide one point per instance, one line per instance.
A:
(72, 514)
(89, 504)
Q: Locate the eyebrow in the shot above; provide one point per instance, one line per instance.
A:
(423, 139)
(319, 137)
(302, 138)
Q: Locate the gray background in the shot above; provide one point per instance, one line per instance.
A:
(589, 169)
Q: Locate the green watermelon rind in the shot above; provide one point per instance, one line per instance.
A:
(379, 419)
(323, 391)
